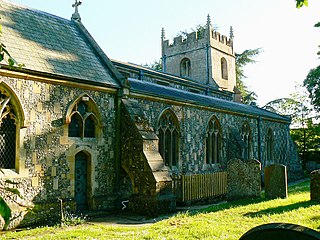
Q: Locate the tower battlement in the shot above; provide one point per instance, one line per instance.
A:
(205, 56)
(198, 37)
(222, 38)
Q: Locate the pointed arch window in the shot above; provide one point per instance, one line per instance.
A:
(185, 68)
(8, 133)
(213, 142)
(224, 68)
(169, 138)
(269, 145)
(83, 120)
(246, 137)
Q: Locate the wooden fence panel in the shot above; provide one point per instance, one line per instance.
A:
(199, 186)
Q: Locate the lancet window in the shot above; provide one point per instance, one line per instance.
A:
(83, 120)
(8, 133)
(169, 138)
(213, 142)
(246, 137)
(269, 145)
(224, 68)
(185, 68)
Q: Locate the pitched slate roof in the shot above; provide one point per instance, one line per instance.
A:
(50, 44)
(156, 90)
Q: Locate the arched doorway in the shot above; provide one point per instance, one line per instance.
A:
(81, 181)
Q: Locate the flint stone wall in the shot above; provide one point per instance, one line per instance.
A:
(45, 149)
(192, 142)
(244, 179)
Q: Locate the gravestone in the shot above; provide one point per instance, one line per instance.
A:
(281, 231)
(244, 179)
(315, 185)
(275, 179)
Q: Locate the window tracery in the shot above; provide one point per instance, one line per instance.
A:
(169, 138)
(83, 121)
(213, 141)
(8, 133)
(246, 137)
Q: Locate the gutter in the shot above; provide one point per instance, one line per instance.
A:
(55, 79)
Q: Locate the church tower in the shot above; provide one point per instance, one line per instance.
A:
(204, 56)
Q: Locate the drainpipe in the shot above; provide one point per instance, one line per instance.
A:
(207, 68)
(117, 158)
(209, 29)
(259, 139)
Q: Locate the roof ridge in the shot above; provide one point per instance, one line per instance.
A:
(35, 10)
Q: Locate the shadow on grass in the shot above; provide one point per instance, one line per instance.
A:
(281, 209)
(228, 205)
(301, 187)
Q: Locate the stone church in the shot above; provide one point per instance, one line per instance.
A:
(90, 133)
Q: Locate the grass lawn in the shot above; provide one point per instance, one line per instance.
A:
(225, 221)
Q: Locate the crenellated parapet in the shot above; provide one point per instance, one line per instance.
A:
(222, 38)
(196, 37)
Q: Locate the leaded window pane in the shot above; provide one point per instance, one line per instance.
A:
(246, 137)
(83, 121)
(174, 147)
(7, 143)
(168, 139)
(269, 145)
(208, 150)
(89, 129)
(167, 150)
(213, 142)
(82, 108)
(161, 143)
(75, 126)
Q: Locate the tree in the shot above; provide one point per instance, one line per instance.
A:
(312, 83)
(298, 106)
(301, 3)
(242, 59)
(305, 131)
(156, 65)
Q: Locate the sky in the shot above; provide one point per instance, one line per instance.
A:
(130, 31)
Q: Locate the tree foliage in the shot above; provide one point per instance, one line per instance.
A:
(312, 83)
(307, 139)
(301, 3)
(298, 106)
(305, 129)
(243, 59)
(156, 65)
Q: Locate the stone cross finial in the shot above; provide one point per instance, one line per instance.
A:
(76, 15)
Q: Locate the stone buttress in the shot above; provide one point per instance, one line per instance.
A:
(140, 158)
